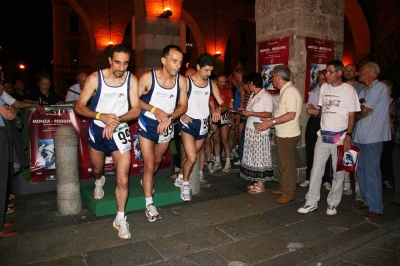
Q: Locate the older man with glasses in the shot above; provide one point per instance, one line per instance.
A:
(372, 129)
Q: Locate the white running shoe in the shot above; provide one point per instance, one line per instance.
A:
(209, 168)
(202, 180)
(217, 165)
(347, 191)
(98, 188)
(227, 168)
(178, 181)
(152, 213)
(153, 193)
(185, 193)
(327, 185)
(123, 228)
(237, 163)
(305, 183)
(331, 210)
(234, 153)
(306, 209)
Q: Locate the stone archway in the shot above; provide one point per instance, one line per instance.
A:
(359, 28)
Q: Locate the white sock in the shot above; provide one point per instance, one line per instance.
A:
(200, 172)
(347, 184)
(228, 160)
(217, 158)
(180, 176)
(149, 200)
(120, 215)
(98, 182)
(185, 183)
(357, 186)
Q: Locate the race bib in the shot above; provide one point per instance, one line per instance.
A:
(225, 119)
(168, 135)
(122, 138)
(205, 123)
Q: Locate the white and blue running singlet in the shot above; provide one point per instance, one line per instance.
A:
(165, 99)
(111, 99)
(198, 100)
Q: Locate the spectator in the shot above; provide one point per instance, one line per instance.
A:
(44, 94)
(372, 129)
(257, 161)
(75, 90)
(20, 90)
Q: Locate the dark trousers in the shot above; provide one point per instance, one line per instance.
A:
(241, 143)
(386, 161)
(313, 125)
(4, 174)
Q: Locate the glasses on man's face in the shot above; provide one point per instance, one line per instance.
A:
(330, 72)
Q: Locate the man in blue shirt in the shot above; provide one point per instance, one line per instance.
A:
(372, 129)
(5, 113)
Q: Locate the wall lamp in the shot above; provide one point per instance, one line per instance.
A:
(217, 54)
(166, 14)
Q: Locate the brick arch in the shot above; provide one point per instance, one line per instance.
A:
(78, 9)
(196, 31)
(359, 27)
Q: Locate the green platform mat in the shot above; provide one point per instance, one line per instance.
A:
(166, 194)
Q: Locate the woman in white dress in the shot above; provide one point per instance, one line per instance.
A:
(257, 163)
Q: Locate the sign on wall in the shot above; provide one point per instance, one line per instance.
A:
(319, 53)
(272, 53)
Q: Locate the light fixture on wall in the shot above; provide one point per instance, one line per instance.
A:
(110, 43)
(166, 11)
(217, 53)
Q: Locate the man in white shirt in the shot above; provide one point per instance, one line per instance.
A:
(75, 90)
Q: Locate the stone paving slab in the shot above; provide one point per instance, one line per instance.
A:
(249, 226)
(190, 242)
(139, 253)
(254, 249)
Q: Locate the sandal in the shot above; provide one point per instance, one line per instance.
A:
(256, 190)
(252, 186)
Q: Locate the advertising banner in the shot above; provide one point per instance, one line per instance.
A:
(272, 53)
(319, 53)
(41, 129)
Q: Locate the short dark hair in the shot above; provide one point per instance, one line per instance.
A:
(283, 71)
(256, 78)
(219, 75)
(165, 51)
(120, 48)
(41, 75)
(338, 65)
(205, 59)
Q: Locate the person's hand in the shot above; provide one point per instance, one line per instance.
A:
(108, 132)
(9, 114)
(162, 127)
(310, 106)
(186, 119)
(40, 109)
(160, 115)
(347, 143)
(216, 115)
(265, 124)
(111, 120)
(245, 113)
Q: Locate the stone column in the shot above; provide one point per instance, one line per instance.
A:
(321, 19)
(152, 35)
(68, 187)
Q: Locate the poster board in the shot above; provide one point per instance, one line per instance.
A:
(319, 53)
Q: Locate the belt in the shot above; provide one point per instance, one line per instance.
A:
(315, 116)
(2, 128)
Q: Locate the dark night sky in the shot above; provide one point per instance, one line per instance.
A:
(26, 36)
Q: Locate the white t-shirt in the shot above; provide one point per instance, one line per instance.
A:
(73, 93)
(337, 103)
(7, 98)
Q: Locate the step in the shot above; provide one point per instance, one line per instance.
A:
(166, 194)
